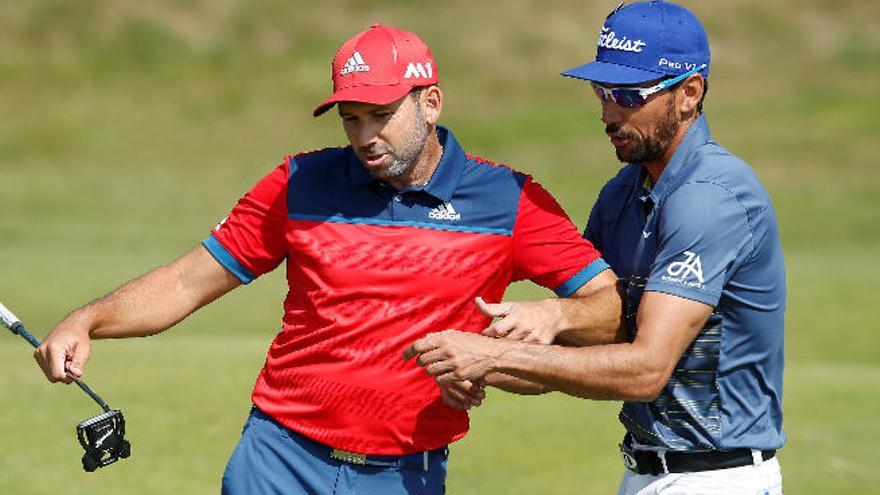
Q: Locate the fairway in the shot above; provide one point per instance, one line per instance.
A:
(131, 128)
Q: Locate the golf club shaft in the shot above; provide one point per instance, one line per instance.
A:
(10, 321)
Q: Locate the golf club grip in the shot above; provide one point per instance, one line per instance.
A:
(19, 329)
(9, 320)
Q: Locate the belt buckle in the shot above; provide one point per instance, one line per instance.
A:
(349, 457)
(629, 460)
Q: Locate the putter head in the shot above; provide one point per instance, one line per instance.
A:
(103, 439)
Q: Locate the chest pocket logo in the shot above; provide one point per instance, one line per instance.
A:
(690, 266)
(444, 212)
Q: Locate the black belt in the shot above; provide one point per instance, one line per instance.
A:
(650, 462)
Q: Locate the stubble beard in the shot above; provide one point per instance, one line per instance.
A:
(655, 146)
(411, 147)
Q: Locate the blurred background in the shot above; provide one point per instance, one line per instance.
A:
(130, 128)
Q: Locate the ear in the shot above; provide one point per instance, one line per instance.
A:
(691, 91)
(432, 104)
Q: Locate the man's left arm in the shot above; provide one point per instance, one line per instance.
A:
(635, 370)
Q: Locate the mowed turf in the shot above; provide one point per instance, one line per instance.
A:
(130, 128)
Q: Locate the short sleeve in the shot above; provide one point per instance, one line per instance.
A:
(251, 240)
(704, 236)
(547, 248)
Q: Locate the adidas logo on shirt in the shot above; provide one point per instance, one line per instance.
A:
(444, 212)
(355, 63)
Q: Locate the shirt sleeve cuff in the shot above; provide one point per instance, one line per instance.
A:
(709, 298)
(227, 260)
(581, 277)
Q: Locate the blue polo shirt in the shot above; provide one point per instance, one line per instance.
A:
(707, 232)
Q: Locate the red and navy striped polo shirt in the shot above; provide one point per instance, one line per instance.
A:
(371, 268)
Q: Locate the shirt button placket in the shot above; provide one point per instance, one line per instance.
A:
(395, 205)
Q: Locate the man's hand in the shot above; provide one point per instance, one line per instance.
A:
(64, 352)
(454, 356)
(528, 321)
(463, 395)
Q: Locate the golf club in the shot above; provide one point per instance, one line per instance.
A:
(103, 436)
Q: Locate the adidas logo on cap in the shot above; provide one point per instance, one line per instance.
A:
(354, 64)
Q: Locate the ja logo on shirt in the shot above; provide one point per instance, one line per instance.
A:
(681, 271)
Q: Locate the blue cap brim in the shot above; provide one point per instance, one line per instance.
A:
(604, 72)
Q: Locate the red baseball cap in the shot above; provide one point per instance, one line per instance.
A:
(380, 66)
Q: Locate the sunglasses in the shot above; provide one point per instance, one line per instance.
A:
(635, 97)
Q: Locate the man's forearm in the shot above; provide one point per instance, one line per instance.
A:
(155, 301)
(143, 306)
(609, 372)
(626, 371)
(138, 308)
(634, 371)
(515, 385)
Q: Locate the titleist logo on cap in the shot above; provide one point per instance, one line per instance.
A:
(608, 39)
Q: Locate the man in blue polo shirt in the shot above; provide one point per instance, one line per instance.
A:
(692, 233)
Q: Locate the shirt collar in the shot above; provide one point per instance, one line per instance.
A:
(696, 135)
(443, 181)
(641, 193)
(357, 174)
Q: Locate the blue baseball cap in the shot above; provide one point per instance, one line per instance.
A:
(645, 41)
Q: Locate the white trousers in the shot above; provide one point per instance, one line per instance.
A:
(762, 479)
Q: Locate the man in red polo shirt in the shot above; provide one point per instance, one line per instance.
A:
(385, 240)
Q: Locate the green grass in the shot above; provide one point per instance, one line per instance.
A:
(130, 128)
